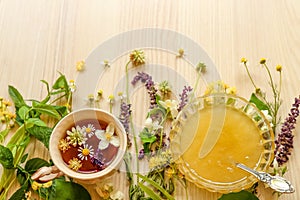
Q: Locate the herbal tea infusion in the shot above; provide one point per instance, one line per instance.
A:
(89, 146)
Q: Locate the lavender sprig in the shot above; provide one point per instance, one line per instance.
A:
(184, 97)
(284, 142)
(149, 84)
(124, 118)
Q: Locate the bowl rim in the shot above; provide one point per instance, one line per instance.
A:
(56, 135)
(211, 185)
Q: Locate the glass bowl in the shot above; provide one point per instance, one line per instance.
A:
(213, 133)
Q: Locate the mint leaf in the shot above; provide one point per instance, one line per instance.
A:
(46, 109)
(259, 103)
(34, 164)
(6, 157)
(42, 133)
(23, 112)
(34, 121)
(16, 97)
(60, 83)
(242, 195)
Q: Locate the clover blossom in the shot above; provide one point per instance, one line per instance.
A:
(184, 97)
(284, 142)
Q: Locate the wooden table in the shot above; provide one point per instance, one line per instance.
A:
(38, 38)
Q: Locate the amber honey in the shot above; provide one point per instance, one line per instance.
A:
(239, 141)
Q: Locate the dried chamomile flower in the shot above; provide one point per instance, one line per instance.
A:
(63, 145)
(74, 164)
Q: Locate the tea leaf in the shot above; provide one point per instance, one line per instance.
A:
(16, 97)
(6, 157)
(42, 133)
(62, 190)
(242, 195)
(34, 164)
(23, 112)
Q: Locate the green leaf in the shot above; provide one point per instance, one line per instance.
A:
(24, 157)
(158, 187)
(147, 137)
(34, 164)
(23, 112)
(6, 157)
(19, 194)
(259, 103)
(22, 178)
(62, 110)
(34, 121)
(46, 109)
(3, 134)
(62, 190)
(42, 133)
(242, 195)
(47, 85)
(149, 192)
(60, 83)
(16, 97)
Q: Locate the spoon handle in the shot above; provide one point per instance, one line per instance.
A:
(277, 183)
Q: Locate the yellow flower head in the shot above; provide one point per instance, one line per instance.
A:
(180, 52)
(100, 93)
(137, 57)
(244, 60)
(262, 61)
(80, 65)
(63, 145)
(75, 164)
(278, 68)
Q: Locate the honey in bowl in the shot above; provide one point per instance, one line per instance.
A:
(212, 136)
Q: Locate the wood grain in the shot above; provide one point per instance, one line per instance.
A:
(38, 38)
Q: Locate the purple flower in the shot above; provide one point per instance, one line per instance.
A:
(124, 118)
(284, 142)
(184, 97)
(141, 154)
(149, 84)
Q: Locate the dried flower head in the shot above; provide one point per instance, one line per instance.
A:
(105, 63)
(184, 97)
(244, 60)
(74, 164)
(80, 65)
(278, 68)
(164, 87)
(180, 52)
(137, 57)
(63, 145)
(201, 67)
(75, 136)
(262, 61)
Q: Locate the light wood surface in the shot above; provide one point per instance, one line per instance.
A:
(40, 37)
